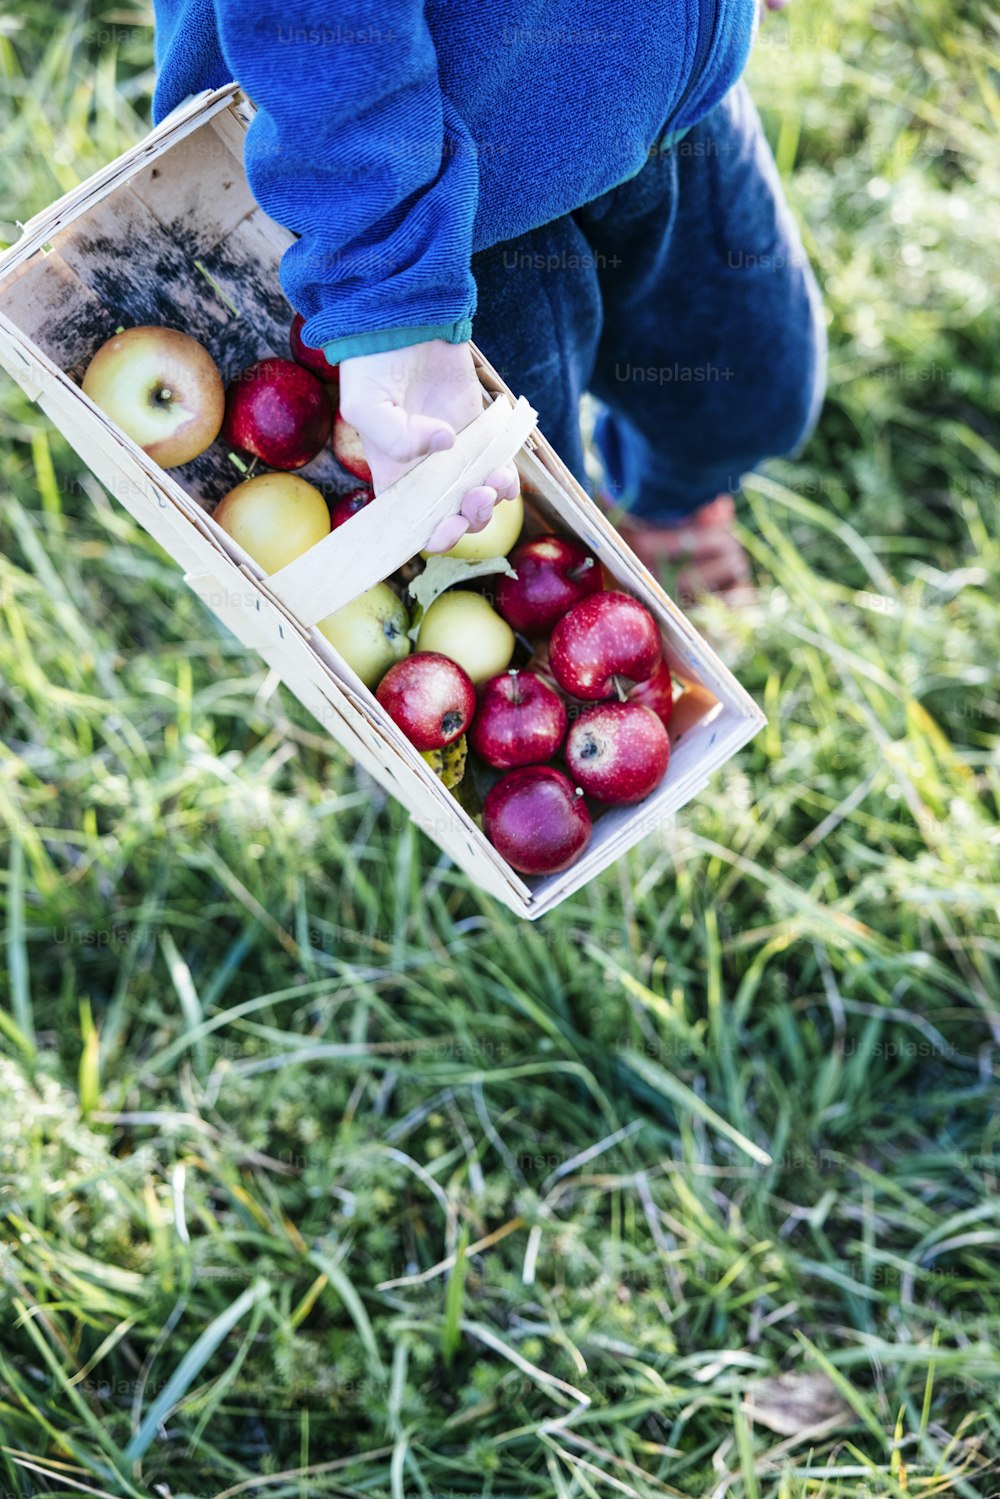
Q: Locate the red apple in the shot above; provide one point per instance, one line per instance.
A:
(313, 359)
(346, 505)
(537, 820)
(553, 574)
(605, 636)
(520, 721)
(657, 693)
(279, 412)
(618, 752)
(430, 697)
(348, 451)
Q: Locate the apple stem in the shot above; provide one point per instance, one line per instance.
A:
(581, 568)
(620, 689)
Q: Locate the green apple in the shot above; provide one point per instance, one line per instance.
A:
(275, 518)
(467, 628)
(162, 389)
(369, 632)
(497, 536)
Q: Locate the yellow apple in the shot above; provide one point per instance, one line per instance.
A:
(369, 632)
(467, 628)
(162, 389)
(274, 517)
(495, 539)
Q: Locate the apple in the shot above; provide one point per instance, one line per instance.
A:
(618, 752)
(553, 574)
(279, 412)
(539, 663)
(348, 450)
(430, 697)
(274, 517)
(656, 693)
(467, 628)
(369, 632)
(520, 721)
(312, 359)
(162, 389)
(497, 536)
(605, 636)
(346, 505)
(537, 820)
(694, 701)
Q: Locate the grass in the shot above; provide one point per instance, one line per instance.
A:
(318, 1174)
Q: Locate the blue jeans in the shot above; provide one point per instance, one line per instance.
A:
(682, 299)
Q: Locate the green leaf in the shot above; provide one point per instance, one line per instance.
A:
(451, 1332)
(90, 1062)
(355, 1308)
(17, 948)
(191, 1008)
(442, 573)
(191, 1366)
(684, 1099)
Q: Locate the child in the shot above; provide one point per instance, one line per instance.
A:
(585, 188)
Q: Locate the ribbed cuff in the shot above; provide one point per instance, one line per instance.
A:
(384, 339)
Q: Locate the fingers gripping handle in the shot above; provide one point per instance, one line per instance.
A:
(398, 523)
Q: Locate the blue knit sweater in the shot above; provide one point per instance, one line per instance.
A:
(397, 137)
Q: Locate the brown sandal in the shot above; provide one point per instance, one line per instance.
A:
(698, 555)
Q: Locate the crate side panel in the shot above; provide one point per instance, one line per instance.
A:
(46, 300)
(231, 125)
(142, 274)
(197, 190)
(244, 266)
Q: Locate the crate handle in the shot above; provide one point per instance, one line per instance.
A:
(398, 523)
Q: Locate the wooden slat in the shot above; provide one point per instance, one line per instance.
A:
(198, 192)
(142, 275)
(48, 300)
(399, 522)
(231, 124)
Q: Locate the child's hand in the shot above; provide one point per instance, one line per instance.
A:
(411, 402)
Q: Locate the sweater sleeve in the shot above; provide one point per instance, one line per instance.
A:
(356, 149)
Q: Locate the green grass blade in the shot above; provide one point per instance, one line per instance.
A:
(191, 1365)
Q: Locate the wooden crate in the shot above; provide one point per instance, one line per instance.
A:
(169, 233)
